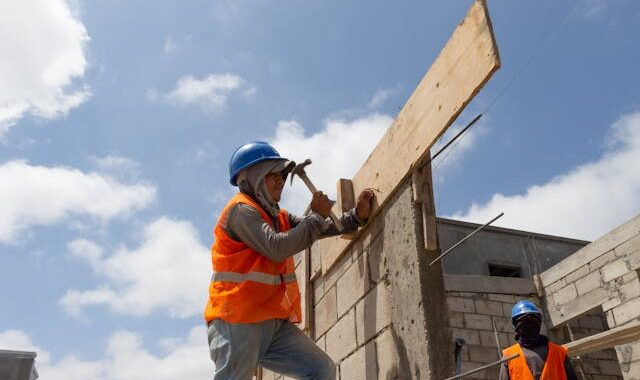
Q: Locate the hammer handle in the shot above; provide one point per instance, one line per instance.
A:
(313, 189)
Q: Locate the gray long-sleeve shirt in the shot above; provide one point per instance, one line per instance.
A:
(245, 223)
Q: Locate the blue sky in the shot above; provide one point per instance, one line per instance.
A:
(117, 119)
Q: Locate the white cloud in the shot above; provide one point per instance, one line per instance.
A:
(337, 151)
(585, 202)
(593, 9)
(125, 358)
(123, 168)
(210, 93)
(43, 46)
(380, 97)
(86, 250)
(169, 45)
(38, 195)
(170, 271)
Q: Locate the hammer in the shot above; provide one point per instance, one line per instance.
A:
(299, 171)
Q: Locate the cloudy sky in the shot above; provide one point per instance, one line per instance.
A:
(117, 119)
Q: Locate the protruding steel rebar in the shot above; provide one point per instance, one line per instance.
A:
(483, 367)
(464, 239)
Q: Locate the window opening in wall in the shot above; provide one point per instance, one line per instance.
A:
(504, 270)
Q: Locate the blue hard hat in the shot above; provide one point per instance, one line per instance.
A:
(250, 154)
(524, 307)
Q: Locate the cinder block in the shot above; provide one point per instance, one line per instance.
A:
(325, 312)
(477, 322)
(375, 259)
(630, 290)
(630, 246)
(566, 294)
(588, 283)
(609, 367)
(483, 354)
(602, 260)
(469, 336)
(578, 273)
(456, 319)
(560, 313)
(362, 364)
(504, 324)
(373, 313)
(592, 322)
(627, 311)
(337, 271)
(633, 261)
(611, 321)
(489, 308)
(506, 298)
(614, 270)
(506, 309)
(611, 303)
(387, 355)
(352, 286)
(488, 340)
(461, 304)
(555, 286)
(318, 289)
(468, 366)
(341, 337)
(506, 340)
(632, 371)
(322, 343)
(630, 276)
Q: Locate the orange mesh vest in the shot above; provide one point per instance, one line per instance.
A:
(247, 287)
(553, 366)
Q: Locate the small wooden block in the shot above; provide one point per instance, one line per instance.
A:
(346, 200)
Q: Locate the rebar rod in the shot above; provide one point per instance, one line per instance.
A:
(483, 367)
(464, 239)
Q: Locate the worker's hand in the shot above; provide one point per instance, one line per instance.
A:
(363, 207)
(321, 204)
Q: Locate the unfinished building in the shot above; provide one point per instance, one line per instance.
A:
(384, 305)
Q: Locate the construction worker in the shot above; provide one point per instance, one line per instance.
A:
(539, 359)
(253, 295)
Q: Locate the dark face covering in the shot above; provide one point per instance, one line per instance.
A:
(528, 331)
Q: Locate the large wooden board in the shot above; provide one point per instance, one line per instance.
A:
(628, 333)
(464, 65)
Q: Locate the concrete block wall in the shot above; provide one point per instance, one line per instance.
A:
(380, 311)
(602, 274)
(477, 303)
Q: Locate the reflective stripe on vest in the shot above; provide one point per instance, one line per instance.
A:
(263, 278)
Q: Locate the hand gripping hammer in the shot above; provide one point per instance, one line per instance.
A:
(299, 171)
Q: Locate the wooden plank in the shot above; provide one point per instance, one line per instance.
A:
(346, 197)
(346, 200)
(464, 65)
(608, 339)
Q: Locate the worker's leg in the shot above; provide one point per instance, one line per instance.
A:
(292, 353)
(236, 347)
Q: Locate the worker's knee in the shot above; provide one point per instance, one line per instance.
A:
(326, 370)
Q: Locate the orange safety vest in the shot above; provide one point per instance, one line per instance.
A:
(553, 366)
(247, 287)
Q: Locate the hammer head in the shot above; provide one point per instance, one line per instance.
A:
(299, 169)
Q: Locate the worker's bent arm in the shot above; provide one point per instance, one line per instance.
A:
(245, 223)
(350, 222)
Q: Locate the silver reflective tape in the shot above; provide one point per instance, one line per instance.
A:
(289, 277)
(263, 278)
